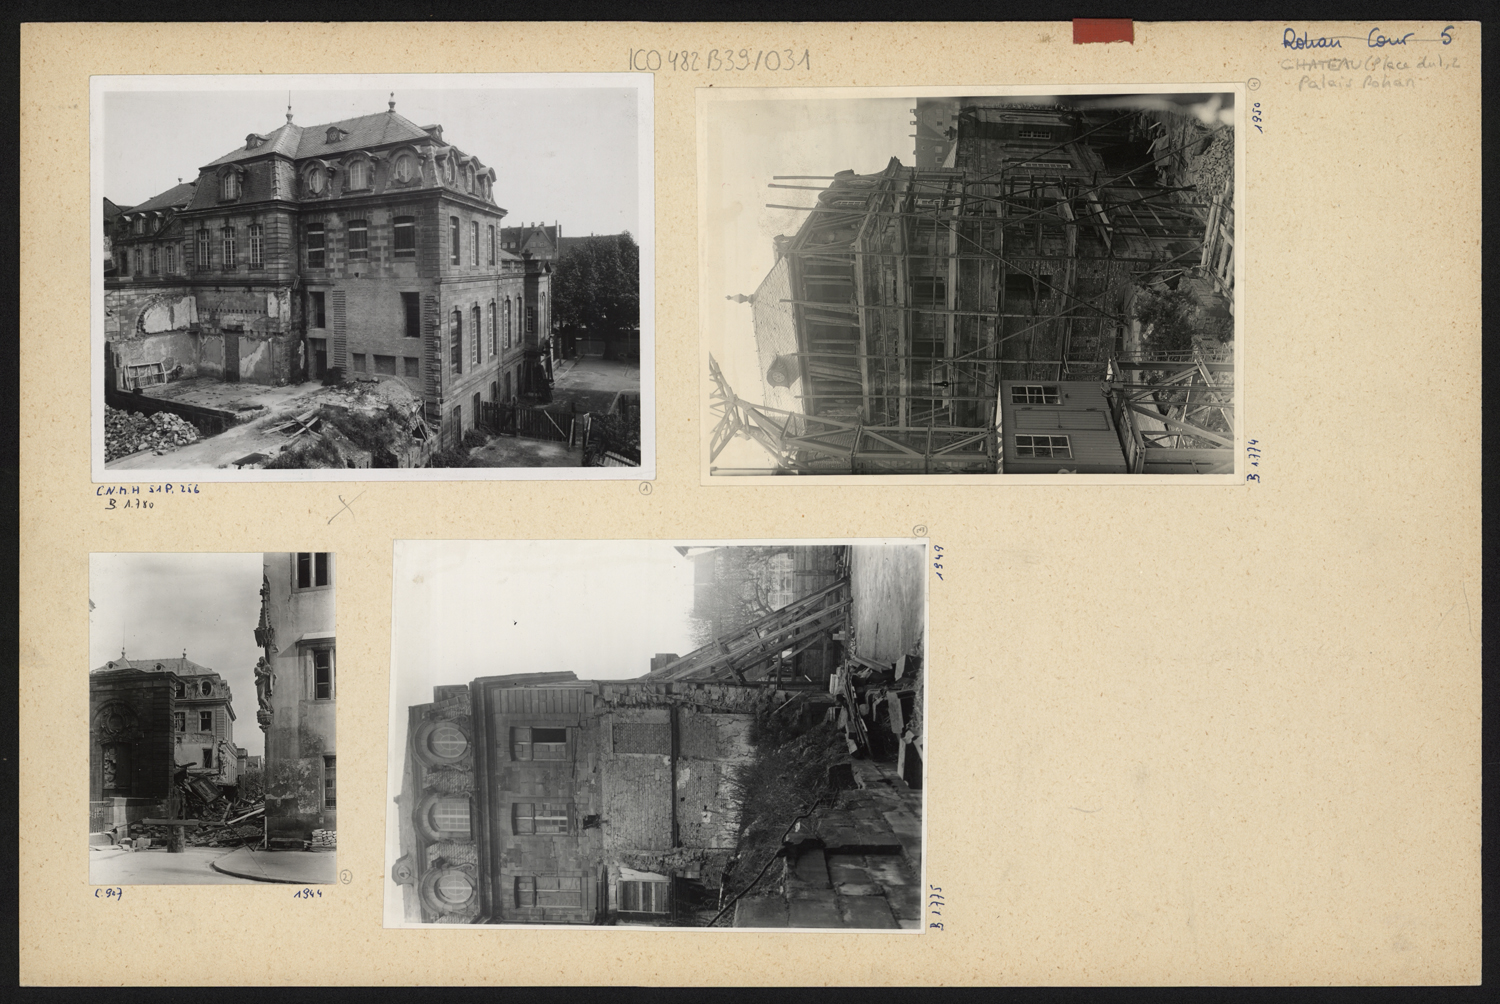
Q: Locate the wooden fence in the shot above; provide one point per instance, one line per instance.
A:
(532, 423)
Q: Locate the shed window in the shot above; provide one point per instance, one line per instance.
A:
(406, 236)
(539, 818)
(1034, 394)
(642, 897)
(1044, 446)
(538, 744)
(549, 890)
(359, 239)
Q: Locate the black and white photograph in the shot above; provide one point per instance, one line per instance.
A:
(707, 735)
(935, 283)
(212, 696)
(366, 277)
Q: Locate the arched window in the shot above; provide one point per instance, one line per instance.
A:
(206, 687)
(359, 173)
(492, 330)
(449, 816)
(474, 242)
(181, 691)
(478, 337)
(316, 179)
(453, 249)
(229, 185)
(456, 341)
(507, 324)
(406, 167)
(155, 260)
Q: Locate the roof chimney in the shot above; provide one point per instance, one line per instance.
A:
(392, 104)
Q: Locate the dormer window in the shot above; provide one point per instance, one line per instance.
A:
(140, 224)
(316, 179)
(405, 167)
(229, 185)
(469, 179)
(359, 174)
(252, 141)
(335, 134)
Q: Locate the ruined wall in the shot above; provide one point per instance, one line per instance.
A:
(130, 746)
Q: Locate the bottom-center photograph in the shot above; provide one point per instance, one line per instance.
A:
(657, 733)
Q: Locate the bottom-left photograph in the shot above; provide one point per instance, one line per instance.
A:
(212, 696)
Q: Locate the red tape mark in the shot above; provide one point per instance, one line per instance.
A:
(1103, 29)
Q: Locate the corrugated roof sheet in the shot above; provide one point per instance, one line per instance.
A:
(776, 334)
(299, 142)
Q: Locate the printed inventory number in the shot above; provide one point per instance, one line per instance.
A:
(935, 904)
(721, 60)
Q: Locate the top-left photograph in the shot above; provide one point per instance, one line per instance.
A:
(372, 277)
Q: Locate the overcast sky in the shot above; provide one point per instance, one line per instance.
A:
(157, 605)
(565, 154)
(463, 609)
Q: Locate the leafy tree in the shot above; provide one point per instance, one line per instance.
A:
(596, 286)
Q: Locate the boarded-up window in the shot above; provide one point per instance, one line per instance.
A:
(386, 365)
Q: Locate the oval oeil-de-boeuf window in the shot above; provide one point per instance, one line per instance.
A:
(454, 887)
(448, 742)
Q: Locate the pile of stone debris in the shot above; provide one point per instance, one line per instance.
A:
(323, 840)
(130, 432)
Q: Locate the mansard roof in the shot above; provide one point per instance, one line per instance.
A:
(180, 666)
(177, 195)
(362, 132)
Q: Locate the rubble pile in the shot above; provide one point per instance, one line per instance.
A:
(323, 840)
(130, 432)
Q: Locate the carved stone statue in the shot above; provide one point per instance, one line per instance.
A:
(265, 683)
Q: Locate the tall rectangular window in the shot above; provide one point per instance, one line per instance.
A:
(155, 260)
(317, 316)
(453, 249)
(474, 243)
(478, 337)
(411, 306)
(329, 785)
(171, 261)
(313, 569)
(315, 236)
(228, 238)
(204, 245)
(359, 239)
(549, 890)
(538, 743)
(257, 245)
(456, 341)
(179, 721)
(205, 721)
(492, 244)
(323, 674)
(359, 174)
(539, 818)
(138, 269)
(530, 319)
(208, 757)
(406, 236)
(492, 329)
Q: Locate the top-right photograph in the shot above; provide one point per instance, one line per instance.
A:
(973, 289)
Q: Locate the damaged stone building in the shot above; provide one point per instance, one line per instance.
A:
(542, 798)
(149, 719)
(366, 248)
(296, 693)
